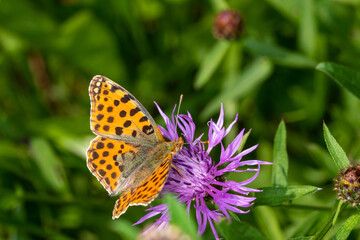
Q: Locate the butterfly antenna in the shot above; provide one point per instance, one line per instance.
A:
(178, 111)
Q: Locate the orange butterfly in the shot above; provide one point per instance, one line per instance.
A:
(129, 156)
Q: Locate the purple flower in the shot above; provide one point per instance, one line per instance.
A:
(202, 178)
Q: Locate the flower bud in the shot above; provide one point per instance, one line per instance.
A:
(228, 25)
(347, 185)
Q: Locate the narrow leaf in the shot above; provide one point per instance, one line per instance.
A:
(336, 152)
(275, 196)
(280, 157)
(346, 77)
(345, 229)
(210, 63)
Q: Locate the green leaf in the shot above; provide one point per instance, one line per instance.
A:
(234, 229)
(180, 218)
(345, 229)
(49, 164)
(278, 54)
(280, 157)
(346, 77)
(253, 75)
(336, 152)
(274, 196)
(268, 222)
(210, 63)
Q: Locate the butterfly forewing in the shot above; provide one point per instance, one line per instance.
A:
(115, 113)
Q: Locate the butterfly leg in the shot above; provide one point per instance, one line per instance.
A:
(177, 170)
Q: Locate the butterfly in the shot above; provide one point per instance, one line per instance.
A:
(129, 156)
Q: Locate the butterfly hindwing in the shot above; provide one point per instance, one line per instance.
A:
(108, 159)
(147, 191)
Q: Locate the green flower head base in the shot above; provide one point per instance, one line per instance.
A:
(347, 185)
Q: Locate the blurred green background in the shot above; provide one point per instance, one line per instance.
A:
(50, 50)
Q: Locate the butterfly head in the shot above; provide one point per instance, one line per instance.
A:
(176, 146)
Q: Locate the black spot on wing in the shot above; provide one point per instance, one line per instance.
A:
(134, 111)
(119, 130)
(116, 87)
(143, 119)
(125, 98)
(148, 129)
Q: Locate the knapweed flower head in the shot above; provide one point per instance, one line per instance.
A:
(201, 179)
(347, 185)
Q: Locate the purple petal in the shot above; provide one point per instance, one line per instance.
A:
(232, 124)
(220, 121)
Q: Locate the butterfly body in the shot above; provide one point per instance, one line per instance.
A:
(141, 168)
(129, 156)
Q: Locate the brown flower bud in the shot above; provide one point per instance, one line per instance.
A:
(228, 25)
